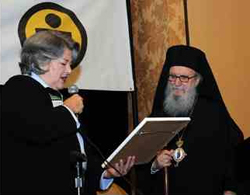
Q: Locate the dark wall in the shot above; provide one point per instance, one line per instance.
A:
(104, 117)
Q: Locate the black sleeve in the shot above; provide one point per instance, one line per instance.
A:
(27, 106)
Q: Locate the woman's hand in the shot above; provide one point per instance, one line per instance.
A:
(75, 103)
(122, 167)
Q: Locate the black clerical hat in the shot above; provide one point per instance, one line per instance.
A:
(182, 55)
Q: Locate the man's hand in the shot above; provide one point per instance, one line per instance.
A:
(122, 167)
(163, 159)
(229, 193)
(75, 103)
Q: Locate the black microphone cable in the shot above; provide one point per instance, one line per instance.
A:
(139, 192)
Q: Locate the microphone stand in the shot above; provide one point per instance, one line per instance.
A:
(79, 180)
(80, 170)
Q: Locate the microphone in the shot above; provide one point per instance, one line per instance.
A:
(73, 89)
(76, 156)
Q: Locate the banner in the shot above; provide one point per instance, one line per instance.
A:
(100, 28)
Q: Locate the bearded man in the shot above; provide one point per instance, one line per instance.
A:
(199, 160)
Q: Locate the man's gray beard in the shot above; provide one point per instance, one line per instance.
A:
(178, 106)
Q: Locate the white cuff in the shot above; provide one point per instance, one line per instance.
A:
(74, 116)
(152, 170)
(105, 183)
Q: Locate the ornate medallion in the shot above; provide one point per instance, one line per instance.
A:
(179, 153)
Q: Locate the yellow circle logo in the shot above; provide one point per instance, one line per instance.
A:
(51, 16)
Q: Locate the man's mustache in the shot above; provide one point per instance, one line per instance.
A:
(183, 88)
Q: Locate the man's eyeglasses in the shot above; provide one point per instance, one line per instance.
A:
(183, 78)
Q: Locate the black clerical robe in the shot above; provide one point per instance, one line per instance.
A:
(208, 167)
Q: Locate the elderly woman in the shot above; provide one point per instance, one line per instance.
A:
(39, 130)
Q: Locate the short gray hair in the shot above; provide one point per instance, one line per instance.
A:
(42, 47)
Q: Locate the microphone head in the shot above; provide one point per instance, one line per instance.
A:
(76, 156)
(73, 89)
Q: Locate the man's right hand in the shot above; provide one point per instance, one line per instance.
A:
(163, 159)
(75, 103)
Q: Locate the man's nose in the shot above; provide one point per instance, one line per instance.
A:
(178, 81)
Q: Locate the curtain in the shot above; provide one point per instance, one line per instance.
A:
(156, 25)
